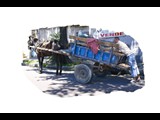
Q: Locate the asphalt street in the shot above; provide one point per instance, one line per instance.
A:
(67, 86)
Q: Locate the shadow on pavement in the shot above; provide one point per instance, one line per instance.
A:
(66, 86)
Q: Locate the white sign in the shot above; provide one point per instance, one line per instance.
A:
(115, 34)
(103, 34)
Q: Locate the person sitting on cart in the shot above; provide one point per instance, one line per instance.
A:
(122, 47)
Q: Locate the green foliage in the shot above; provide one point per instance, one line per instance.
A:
(51, 60)
(44, 64)
(25, 61)
(29, 62)
(55, 36)
(71, 64)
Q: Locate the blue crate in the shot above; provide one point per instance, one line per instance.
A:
(98, 55)
(101, 56)
(106, 57)
(114, 59)
(76, 50)
(82, 51)
(90, 54)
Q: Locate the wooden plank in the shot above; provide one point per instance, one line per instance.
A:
(103, 49)
(82, 44)
(103, 38)
(123, 66)
(53, 51)
(110, 44)
(78, 38)
(101, 43)
(118, 54)
(72, 37)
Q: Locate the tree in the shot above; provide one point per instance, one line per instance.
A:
(55, 36)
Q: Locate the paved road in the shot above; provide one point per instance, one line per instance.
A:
(66, 86)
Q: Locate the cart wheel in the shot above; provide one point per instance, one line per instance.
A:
(83, 73)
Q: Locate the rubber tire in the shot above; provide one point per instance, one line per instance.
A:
(83, 73)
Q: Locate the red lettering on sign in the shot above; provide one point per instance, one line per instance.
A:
(117, 33)
(106, 35)
(102, 35)
(112, 34)
(121, 33)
